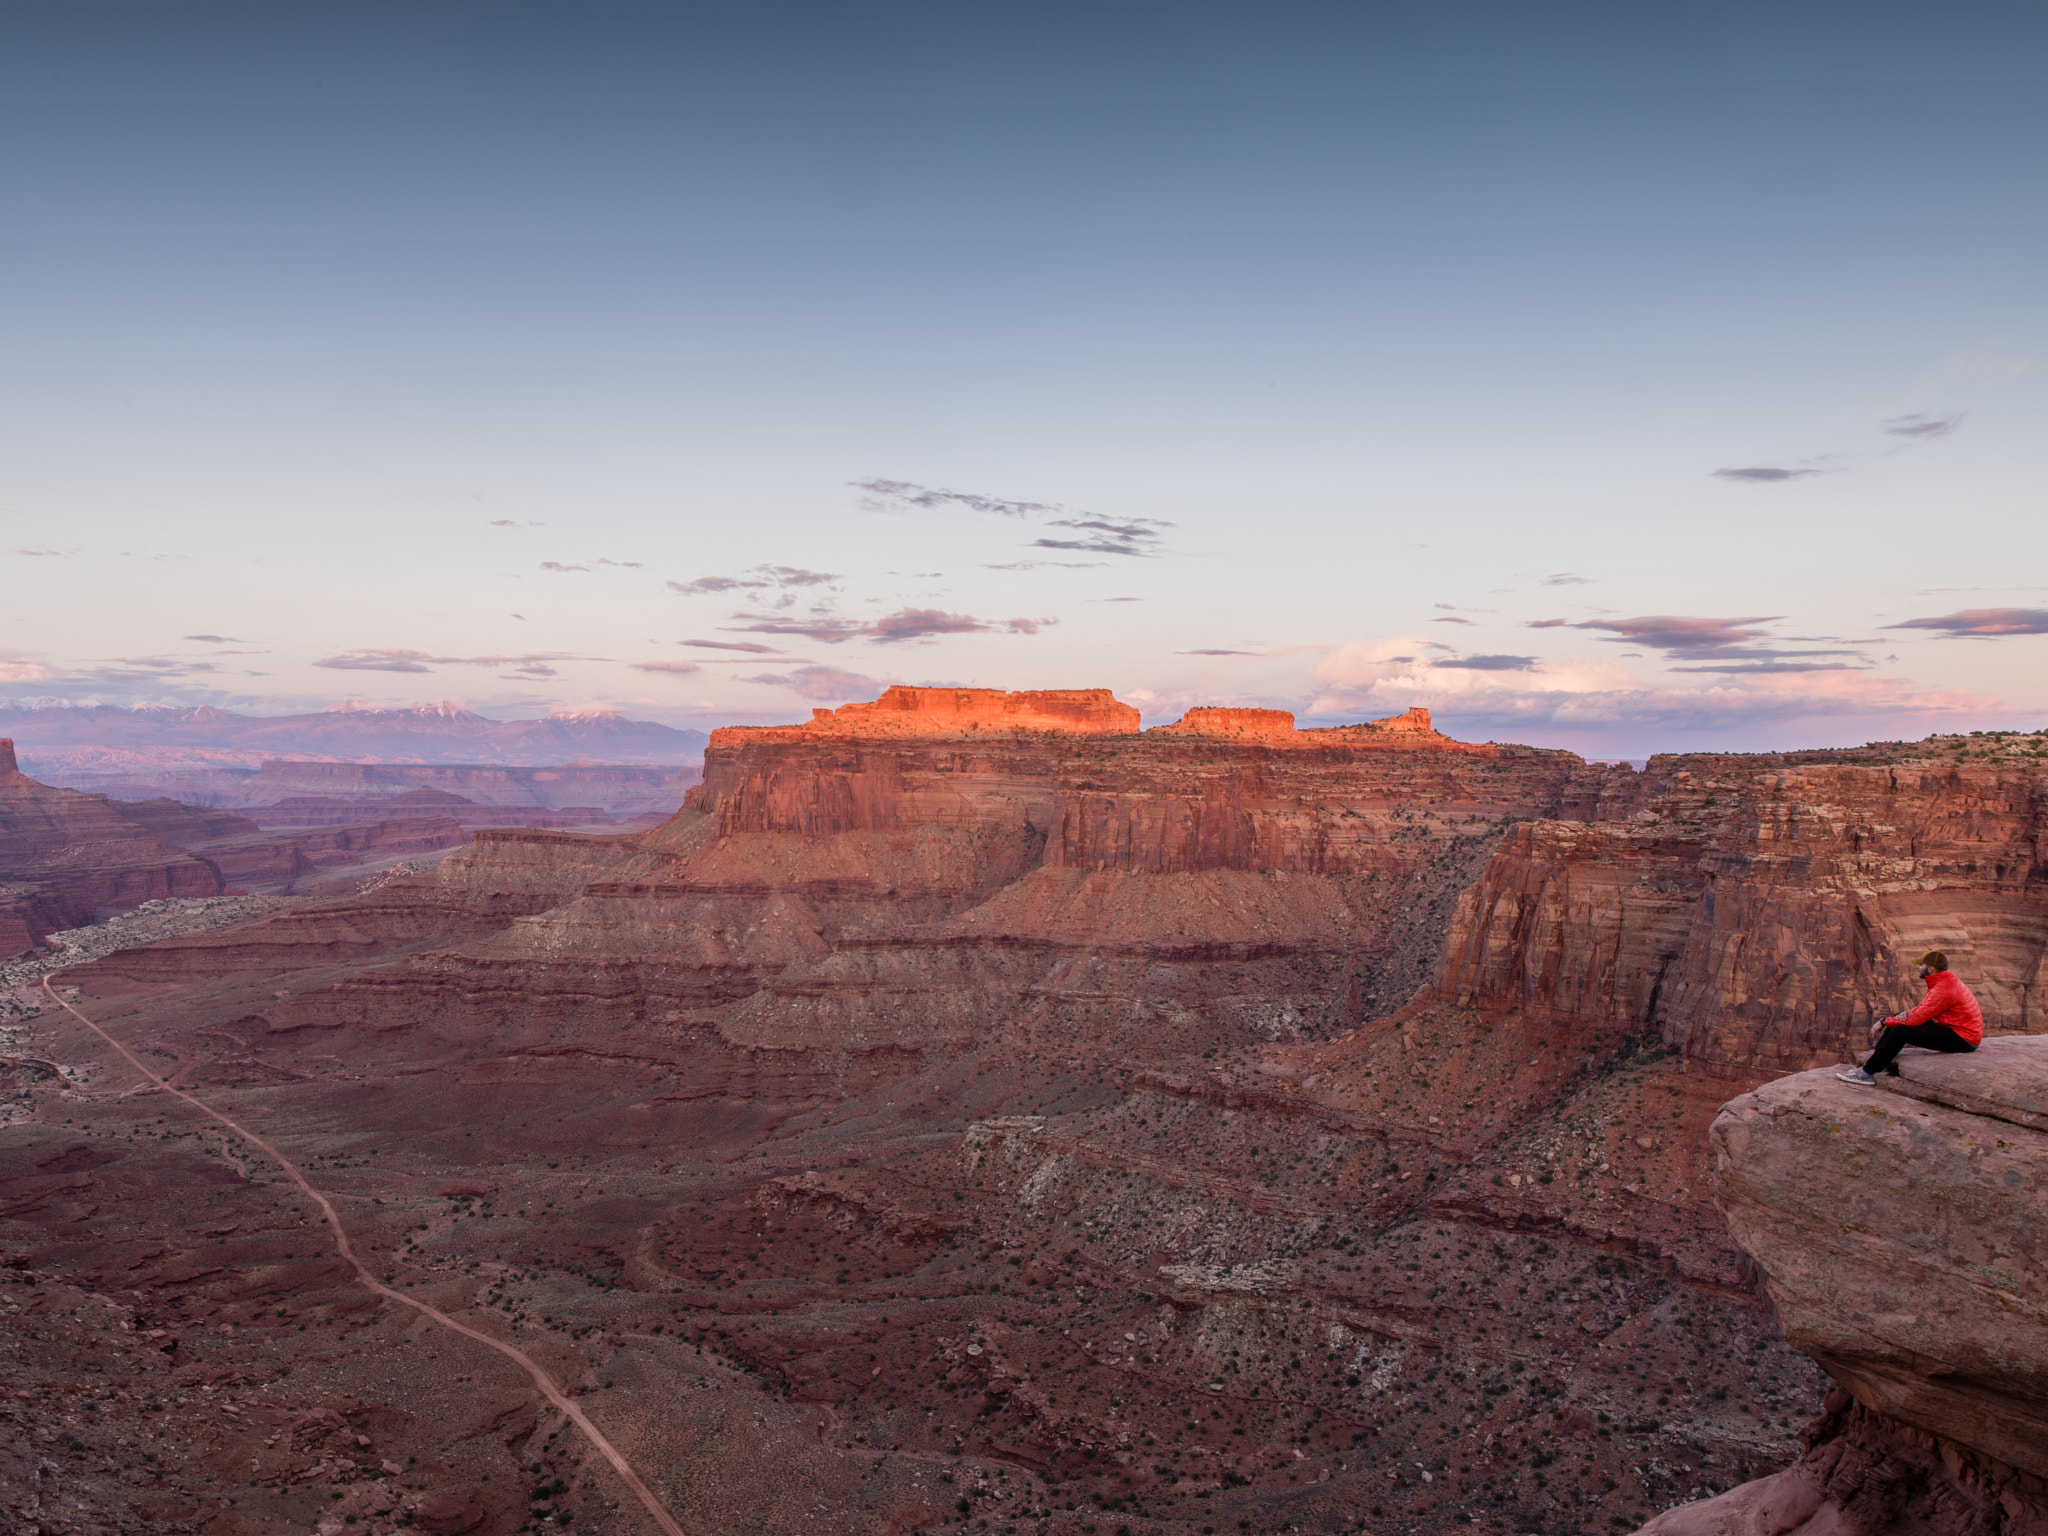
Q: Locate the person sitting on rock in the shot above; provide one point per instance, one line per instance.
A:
(1948, 1019)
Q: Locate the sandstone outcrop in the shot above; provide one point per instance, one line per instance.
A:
(1902, 1235)
(1083, 710)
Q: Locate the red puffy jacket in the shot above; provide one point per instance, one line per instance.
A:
(1949, 1002)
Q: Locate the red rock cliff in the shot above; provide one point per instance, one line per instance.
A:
(1760, 914)
(1220, 789)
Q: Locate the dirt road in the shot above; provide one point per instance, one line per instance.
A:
(543, 1382)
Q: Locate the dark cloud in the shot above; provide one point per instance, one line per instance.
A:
(1130, 536)
(830, 631)
(381, 660)
(820, 683)
(1763, 474)
(1450, 620)
(678, 667)
(1567, 579)
(904, 624)
(730, 645)
(1984, 621)
(919, 623)
(757, 579)
(1923, 427)
(1490, 663)
(1718, 645)
(924, 496)
(556, 565)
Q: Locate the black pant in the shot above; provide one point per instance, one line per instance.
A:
(1935, 1037)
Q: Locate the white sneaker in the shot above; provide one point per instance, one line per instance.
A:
(1858, 1076)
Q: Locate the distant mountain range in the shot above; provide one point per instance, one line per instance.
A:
(69, 739)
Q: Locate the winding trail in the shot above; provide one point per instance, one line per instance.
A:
(541, 1379)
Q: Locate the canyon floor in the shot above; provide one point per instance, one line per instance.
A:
(1157, 1295)
(897, 1140)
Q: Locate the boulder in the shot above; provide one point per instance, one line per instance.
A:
(1901, 1232)
(450, 1512)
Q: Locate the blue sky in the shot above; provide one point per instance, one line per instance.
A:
(1617, 377)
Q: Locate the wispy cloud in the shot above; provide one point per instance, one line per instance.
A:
(748, 646)
(1923, 427)
(1568, 579)
(828, 630)
(1764, 474)
(51, 554)
(1489, 663)
(1452, 619)
(1984, 622)
(680, 668)
(1049, 565)
(1717, 645)
(513, 522)
(904, 624)
(905, 494)
(1212, 652)
(1597, 696)
(556, 565)
(394, 659)
(759, 578)
(921, 623)
(219, 640)
(624, 565)
(1103, 536)
(820, 683)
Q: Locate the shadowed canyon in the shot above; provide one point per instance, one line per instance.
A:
(973, 1112)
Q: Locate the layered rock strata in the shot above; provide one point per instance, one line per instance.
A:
(1758, 914)
(66, 857)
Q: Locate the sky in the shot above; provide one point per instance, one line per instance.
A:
(1626, 378)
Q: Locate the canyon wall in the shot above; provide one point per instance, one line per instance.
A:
(1760, 913)
(69, 859)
